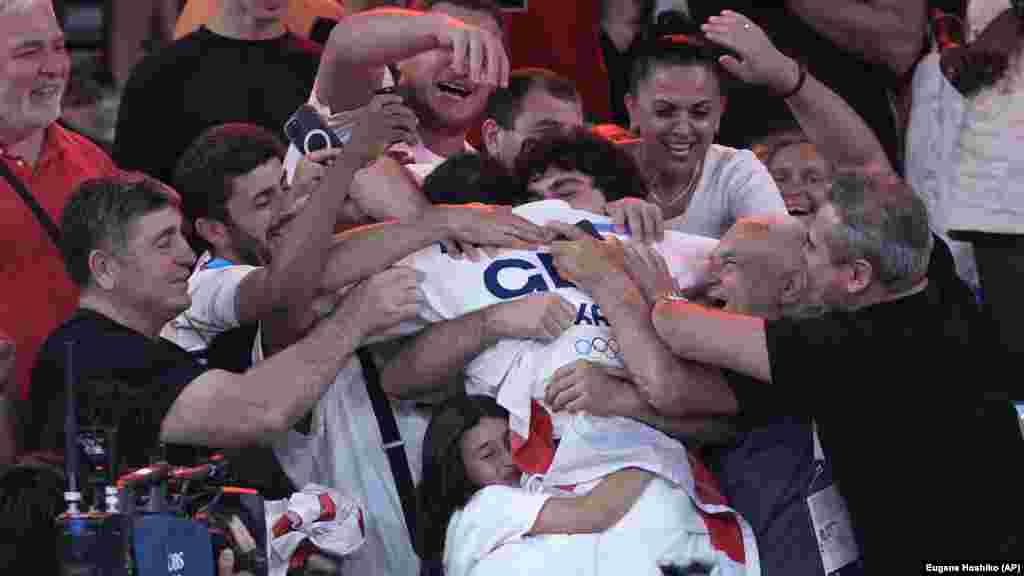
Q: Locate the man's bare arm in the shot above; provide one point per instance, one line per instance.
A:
(606, 391)
(731, 341)
(369, 249)
(887, 32)
(428, 363)
(835, 128)
(223, 409)
(361, 44)
(653, 368)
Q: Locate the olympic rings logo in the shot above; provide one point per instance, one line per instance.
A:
(607, 347)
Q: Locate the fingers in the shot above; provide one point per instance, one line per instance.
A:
(460, 42)
(226, 563)
(474, 253)
(733, 66)
(567, 392)
(497, 62)
(452, 248)
(568, 230)
(527, 230)
(323, 156)
(402, 275)
(477, 49)
(655, 221)
(567, 370)
(615, 372)
(381, 101)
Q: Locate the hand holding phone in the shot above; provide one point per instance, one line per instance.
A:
(309, 132)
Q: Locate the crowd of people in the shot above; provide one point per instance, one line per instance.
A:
(767, 328)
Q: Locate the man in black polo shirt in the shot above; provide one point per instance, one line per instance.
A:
(123, 245)
(923, 452)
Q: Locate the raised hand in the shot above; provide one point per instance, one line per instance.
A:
(311, 169)
(477, 53)
(759, 62)
(543, 317)
(383, 122)
(649, 271)
(643, 219)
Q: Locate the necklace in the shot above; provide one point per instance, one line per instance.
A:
(684, 192)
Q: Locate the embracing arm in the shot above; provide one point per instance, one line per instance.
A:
(224, 409)
(731, 341)
(367, 250)
(596, 511)
(283, 284)
(661, 376)
(427, 363)
(889, 32)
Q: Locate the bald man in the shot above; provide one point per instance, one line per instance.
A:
(758, 269)
(774, 473)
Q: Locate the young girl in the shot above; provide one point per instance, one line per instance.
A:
(475, 515)
(467, 461)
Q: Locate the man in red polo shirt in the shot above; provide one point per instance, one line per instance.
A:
(35, 292)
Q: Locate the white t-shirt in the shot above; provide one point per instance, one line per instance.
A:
(733, 185)
(516, 372)
(936, 117)
(988, 178)
(344, 451)
(213, 287)
(487, 537)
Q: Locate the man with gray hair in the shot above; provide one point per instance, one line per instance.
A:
(41, 164)
(912, 437)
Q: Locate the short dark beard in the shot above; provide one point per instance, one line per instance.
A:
(248, 248)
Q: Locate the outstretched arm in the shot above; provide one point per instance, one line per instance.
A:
(362, 44)
(839, 133)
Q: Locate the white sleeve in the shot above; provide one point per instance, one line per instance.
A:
(494, 516)
(437, 304)
(750, 188)
(214, 295)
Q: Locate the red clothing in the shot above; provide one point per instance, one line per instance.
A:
(36, 294)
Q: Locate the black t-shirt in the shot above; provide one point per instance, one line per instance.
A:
(926, 460)
(121, 379)
(203, 80)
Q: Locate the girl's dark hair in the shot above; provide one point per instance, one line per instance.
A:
(445, 487)
(613, 169)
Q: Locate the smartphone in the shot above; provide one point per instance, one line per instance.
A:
(309, 133)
